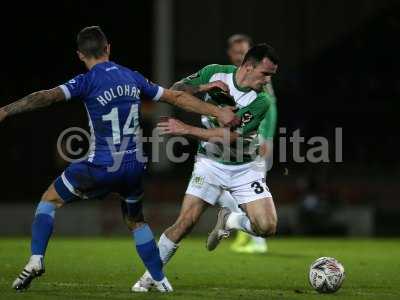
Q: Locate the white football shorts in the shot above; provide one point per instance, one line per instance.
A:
(211, 179)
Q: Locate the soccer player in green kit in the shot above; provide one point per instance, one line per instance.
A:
(228, 160)
(237, 47)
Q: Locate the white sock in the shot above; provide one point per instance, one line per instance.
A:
(36, 258)
(258, 240)
(239, 221)
(167, 248)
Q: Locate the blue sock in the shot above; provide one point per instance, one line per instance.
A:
(42, 227)
(148, 251)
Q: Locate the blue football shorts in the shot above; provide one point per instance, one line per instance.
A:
(85, 180)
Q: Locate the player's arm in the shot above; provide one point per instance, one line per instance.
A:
(225, 115)
(32, 102)
(176, 127)
(186, 101)
(199, 82)
(192, 89)
(180, 95)
(267, 129)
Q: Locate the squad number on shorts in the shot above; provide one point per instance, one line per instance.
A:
(258, 189)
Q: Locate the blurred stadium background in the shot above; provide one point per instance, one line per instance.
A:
(339, 68)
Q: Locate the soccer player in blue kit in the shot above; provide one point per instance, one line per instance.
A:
(112, 96)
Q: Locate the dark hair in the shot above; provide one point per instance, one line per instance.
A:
(92, 42)
(260, 51)
(239, 38)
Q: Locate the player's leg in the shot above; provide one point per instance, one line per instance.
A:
(130, 186)
(42, 228)
(259, 217)
(191, 210)
(242, 238)
(199, 196)
(243, 243)
(146, 245)
(256, 201)
(259, 220)
(256, 244)
(76, 182)
(203, 190)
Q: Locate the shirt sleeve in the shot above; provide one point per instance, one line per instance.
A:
(75, 88)
(268, 125)
(201, 77)
(149, 89)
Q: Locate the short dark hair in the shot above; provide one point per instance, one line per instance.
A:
(92, 42)
(239, 38)
(260, 51)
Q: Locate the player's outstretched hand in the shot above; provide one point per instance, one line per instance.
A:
(215, 84)
(227, 117)
(3, 114)
(173, 126)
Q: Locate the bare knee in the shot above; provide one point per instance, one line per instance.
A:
(52, 196)
(265, 227)
(262, 215)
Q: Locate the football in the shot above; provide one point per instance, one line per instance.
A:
(326, 275)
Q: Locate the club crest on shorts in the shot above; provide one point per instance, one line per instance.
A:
(197, 180)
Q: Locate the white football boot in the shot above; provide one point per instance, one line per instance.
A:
(219, 232)
(163, 286)
(34, 268)
(146, 283)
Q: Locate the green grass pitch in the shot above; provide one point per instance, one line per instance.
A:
(105, 268)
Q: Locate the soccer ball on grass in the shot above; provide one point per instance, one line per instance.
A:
(326, 275)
